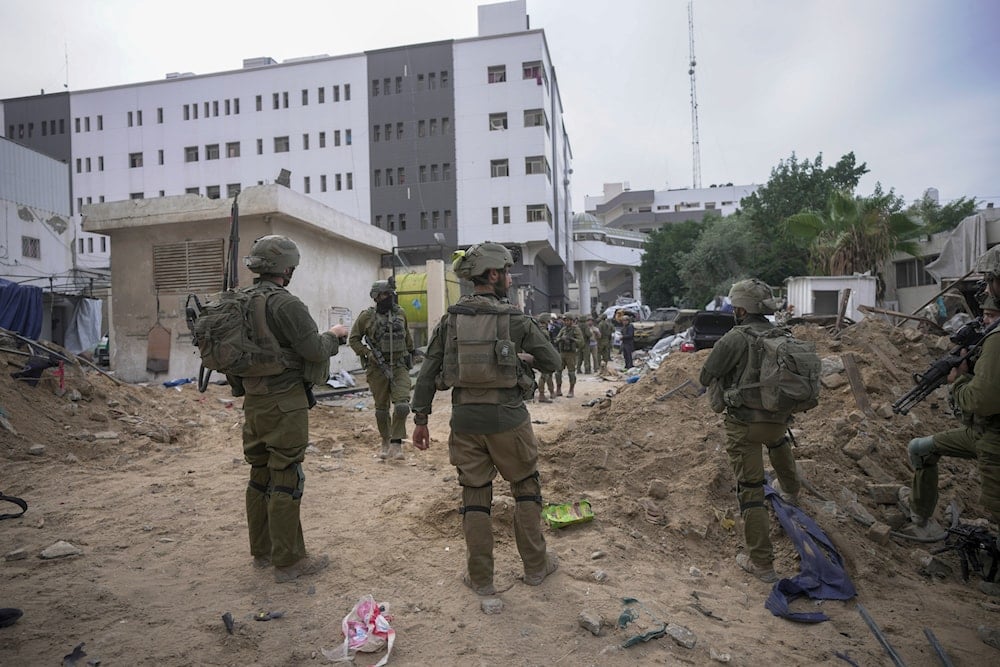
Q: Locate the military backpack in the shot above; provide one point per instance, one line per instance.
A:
(781, 375)
(233, 337)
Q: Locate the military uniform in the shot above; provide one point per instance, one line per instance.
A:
(583, 354)
(490, 426)
(276, 425)
(747, 430)
(628, 342)
(569, 341)
(977, 400)
(388, 333)
(607, 330)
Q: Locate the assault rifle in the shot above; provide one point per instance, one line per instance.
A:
(379, 358)
(969, 337)
(969, 541)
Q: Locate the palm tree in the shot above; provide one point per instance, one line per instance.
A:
(853, 235)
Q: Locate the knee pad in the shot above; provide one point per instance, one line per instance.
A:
(750, 494)
(260, 478)
(400, 410)
(477, 499)
(527, 490)
(919, 450)
(291, 480)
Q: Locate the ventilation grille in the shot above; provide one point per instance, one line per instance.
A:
(189, 266)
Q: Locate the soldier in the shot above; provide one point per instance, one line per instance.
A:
(490, 425)
(628, 340)
(569, 341)
(607, 330)
(381, 339)
(545, 379)
(748, 429)
(976, 397)
(595, 339)
(583, 354)
(276, 417)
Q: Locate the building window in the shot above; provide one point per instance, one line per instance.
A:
(347, 92)
(499, 168)
(138, 120)
(336, 137)
(445, 125)
(100, 161)
(86, 125)
(212, 191)
(399, 85)
(275, 101)
(347, 137)
(79, 165)
(236, 106)
(447, 219)
(433, 124)
(435, 219)
(538, 213)
(260, 103)
(376, 133)
(336, 93)
(399, 130)
(322, 183)
(215, 110)
(322, 139)
(495, 215)
(212, 152)
(401, 176)
(337, 182)
(192, 191)
(206, 110)
(446, 171)
(434, 173)
(378, 221)
(284, 99)
(189, 266)
(496, 74)
(87, 162)
(31, 247)
(191, 154)
(233, 149)
(281, 144)
(377, 178)
(305, 97)
(100, 124)
(159, 115)
(402, 222)
(187, 112)
(260, 147)
(350, 180)
(374, 87)
(506, 215)
(532, 70)
(390, 177)
(306, 183)
(104, 244)
(129, 121)
(423, 173)
(911, 273)
(536, 164)
(229, 108)
(444, 78)
(534, 118)
(421, 128)
(135, 195)
(423, 220)
(420, 82)
(305, 142)
(431, 81)
(233, 189)
(321, 95)
(134, 160)
(90, 241)
(388, 131)
(385, 86)
(390, 221)
(498, 121)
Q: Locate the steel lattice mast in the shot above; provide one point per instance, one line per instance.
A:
(695, 144)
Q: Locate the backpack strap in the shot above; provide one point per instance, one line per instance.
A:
(17, 501)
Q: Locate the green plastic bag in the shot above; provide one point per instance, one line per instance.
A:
(567, 514)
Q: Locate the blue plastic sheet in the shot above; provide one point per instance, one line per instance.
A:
(21, 309)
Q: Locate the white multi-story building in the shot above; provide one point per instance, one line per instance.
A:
(443, 144)
(648, 210)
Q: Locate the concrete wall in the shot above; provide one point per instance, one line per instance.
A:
(340, 260)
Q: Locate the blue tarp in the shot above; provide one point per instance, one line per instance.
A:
(822, 575)
(21, 309)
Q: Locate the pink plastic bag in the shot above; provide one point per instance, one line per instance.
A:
(366, 628)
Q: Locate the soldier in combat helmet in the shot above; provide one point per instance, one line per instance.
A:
(381, 339)
(276, 414)
(484, 349)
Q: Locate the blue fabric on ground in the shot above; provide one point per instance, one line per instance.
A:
(21, 309)
(822, 575)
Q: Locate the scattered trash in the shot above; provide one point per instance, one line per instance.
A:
(227, 620)
(366, 628)
(632, 379)
(178, 382)
(341, 380)
(267, 615)
(76, 654)
(9, 616)
(567, 514)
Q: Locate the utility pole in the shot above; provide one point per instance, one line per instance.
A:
(695, 144)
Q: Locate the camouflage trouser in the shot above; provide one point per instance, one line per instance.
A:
(743, 444)
(569, 363)
(275, 436)
(392, 399)
(963, 443)
(478, 458)
(584, 358)
(604, 351)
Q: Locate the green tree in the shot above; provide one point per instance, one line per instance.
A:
(794, 187)
(938, 218)
(723, 254)
(662, 255)
(854, 234)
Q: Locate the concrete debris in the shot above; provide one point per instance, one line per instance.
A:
(681, 635)
(60, 549)
(491, 605)
(591, 622)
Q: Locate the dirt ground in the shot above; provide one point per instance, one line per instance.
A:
(148, 482)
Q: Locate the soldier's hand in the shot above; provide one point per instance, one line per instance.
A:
(421, 437)
(958, 371)
(526, 358)
(339, 330)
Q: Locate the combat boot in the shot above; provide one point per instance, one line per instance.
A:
(396, 450)
(569, 394)
(558, 390)
(384, 452)
(765, 573)
(542, 398)
(551, 565)
(305, 566)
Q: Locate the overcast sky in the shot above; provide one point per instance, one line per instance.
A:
(911, 86)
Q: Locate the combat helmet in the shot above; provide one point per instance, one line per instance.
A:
(753, 296)
(378, 287)
(989, 302)
(989, 263)
(272, 254)
(480, 258)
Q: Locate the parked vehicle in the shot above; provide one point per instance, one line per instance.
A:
(707, 326)
(662, 322)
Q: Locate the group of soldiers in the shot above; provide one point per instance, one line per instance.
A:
(584, 347)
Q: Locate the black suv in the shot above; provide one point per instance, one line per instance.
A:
(709, 326)
(662, 322)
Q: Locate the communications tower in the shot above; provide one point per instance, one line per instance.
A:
(695, 144)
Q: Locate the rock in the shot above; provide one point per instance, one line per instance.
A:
(312, 449)
(681, 635)
(859, 513)
(61, 549)
(719, 657)
(657, 489)
(600, 576)
(105, 435)
(894, 518)
(884, 410)
(990, 636)
(943, 343)
(71, 458)
(805, 467)
(16, 554)
(597, 555)
(855, 416)
(694, 572)
(491, 605)
(858, 448)
(591, 622)
(36, 450)
(879, 533)
(96, 416)
(74, 395)
(834, 381)
(831, 366)
(930, 565)
(873, 469)
(884, 494)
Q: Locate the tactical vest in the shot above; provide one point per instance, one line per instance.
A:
(390, 332)
(480, 358)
